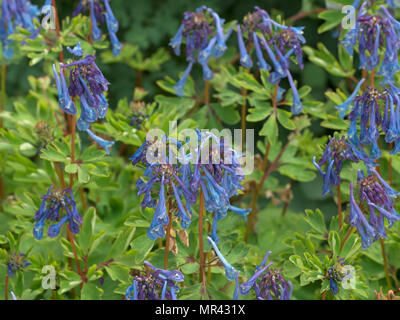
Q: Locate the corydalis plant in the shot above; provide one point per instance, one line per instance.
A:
(54, 203)
(87, 82)
(267, 284)
(169, 181)
(336, 274)
(218, 177)
(15, 13)
(204, 37)
(154, 284)
(377, 110)
(371, 32)
(100, 13)
(279, 42)
(336, 151)
(376, 200)
(16, 262)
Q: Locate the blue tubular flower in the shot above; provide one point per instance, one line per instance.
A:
(16, 14)
(262, 64)
(76, 51)
(220, 46)
(101, 142)
(160, 217)
(96, 32)
(267, 284)
(329, 177)
(375, 194)
(53, 203)
(178, 87)
(204, 36)
(176, 42)
(64, 100)
(230, 271)
(344, 107)
(245, 59)
(297, 106)
(154, 284)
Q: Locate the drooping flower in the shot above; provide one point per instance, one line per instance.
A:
(169, 181)
(54, 202)
(16, 262)
(204, 37)
(372, 31)
(376, 200)
(336, 151)
(87, 82)
(377, 110)
(278, 41)
(154, 284)
(100, 13)
(15, 14)
(218, 177)
(230, 271)
(267, 283)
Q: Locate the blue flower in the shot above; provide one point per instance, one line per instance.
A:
(101, 142)
(154, 284)
(245, 59)
(230, 271)
(16, 262)
(53, 202)
(203, 33)
(344, 107)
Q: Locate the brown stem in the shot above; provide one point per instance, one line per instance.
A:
(347, 236)
(168, 236)
(243, 92)
(201, 211)
(385, 264)
(323, 295)
(304, 14)
(71, 240)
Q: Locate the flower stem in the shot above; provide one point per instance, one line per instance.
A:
(339, 204)
(168, 236)
(2, 108)
(201, 211)
(348, 234)
(385, 264)
(243, 92)
(6, 289)
(259, 186)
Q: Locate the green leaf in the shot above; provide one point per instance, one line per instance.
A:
(270, 129)
(259, 114)
(297, 172)
(71, 168)
(332, 19)
(88, 225)
(91, 292)
(334, 242)
(284, 119)
(143, 245)
(316, 220)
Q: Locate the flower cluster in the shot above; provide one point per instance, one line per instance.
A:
(278, 41)
(204, 37)
(87, 82)
(16, 262)
(371, 32)
(218, 180)
(336, 151)
(100, 12)
(267, 284)
(154, 284)
(377, 110)
(53, 203)
(15, 13)
(376, 199)
(337, 274)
